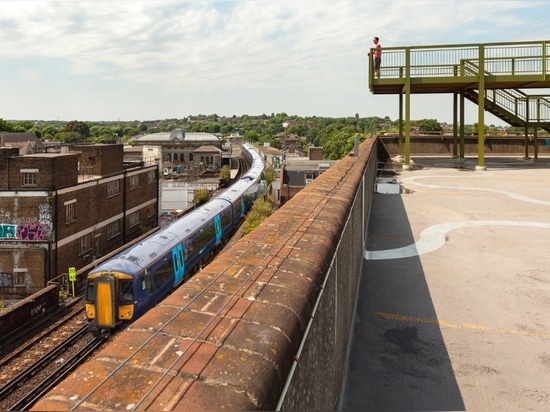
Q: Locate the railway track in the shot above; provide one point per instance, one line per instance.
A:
(38, 364)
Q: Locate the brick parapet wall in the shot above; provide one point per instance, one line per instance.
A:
(266, 325)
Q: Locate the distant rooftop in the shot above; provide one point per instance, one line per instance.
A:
(301, 163)
(178, 135)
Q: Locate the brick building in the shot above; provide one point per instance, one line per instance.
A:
(186, 152)
(297, 172)
(61, 210)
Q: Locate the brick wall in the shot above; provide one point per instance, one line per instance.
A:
(5, 154)
(100, 159)
(31, 261)
(54, 171)
(34, 222)
(434, 145)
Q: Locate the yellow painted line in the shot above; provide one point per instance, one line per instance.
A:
(443, 324)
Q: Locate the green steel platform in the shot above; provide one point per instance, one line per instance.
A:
(511, 77)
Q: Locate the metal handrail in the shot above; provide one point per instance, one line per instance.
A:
(518, 58)
(526, 107)
(460, 62)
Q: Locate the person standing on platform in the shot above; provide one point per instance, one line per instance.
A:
(377, 56)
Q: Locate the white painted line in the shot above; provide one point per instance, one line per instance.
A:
(513, 195)
(433, 237)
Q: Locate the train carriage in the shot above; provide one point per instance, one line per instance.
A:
(126, 286)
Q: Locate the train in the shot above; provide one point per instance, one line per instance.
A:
(124, 287)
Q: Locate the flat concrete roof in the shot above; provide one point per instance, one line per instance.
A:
(454, 301)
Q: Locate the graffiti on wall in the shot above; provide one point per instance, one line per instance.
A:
(6, 279)
(29, 228)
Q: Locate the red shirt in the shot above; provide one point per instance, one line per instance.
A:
(378, 51)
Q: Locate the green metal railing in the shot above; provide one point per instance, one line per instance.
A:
(512, 59)
(526, 107)
(461, 62)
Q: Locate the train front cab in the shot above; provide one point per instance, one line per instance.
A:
(109, 302)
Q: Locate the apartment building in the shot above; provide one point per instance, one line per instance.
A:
(62, 210)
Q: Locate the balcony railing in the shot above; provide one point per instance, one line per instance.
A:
(500, 59)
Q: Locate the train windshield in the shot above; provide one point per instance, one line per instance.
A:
(126, 291)
(90, 291)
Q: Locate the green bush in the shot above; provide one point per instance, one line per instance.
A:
(261, 210)
(201, 196)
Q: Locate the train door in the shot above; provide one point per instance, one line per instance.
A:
(179, 263)
(105, 308)
(218, 228)
(143, 290)
(143, 286)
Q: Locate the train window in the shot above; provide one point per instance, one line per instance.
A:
(90, 291)
(126, 294)
(188, 249)
(163, 273)
(148, 284)
(237, 207)
(206, 235)
(226, 219)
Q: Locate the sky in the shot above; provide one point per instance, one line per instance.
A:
(109, 60)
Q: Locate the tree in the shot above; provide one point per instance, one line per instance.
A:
(49, 132)
(251, 136)
(75, 131)
(201, 196)
(269, 175)
(297, 129)
(427, 125)
(5, 126)
(26, 125)
(68, 137)
(341, 142)
(271, 140)
(35, 131)
(225, 174)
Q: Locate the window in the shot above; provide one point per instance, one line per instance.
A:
(152, 176)
(199, 241)
(134, 218)
(85, 243)
(19, 275)
(70, 208)
(90, 291)
(126, 294)
(134, 182)
(113, 188)
(113, 230)
(29, 177)
(190, 157)
(309, 178)
(164, 273)
(226, 219)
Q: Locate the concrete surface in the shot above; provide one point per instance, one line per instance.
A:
(454, 301)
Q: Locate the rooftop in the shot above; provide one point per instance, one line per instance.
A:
(178, 135)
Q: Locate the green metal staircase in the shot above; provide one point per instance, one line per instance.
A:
(507, 106)
(513, 106)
